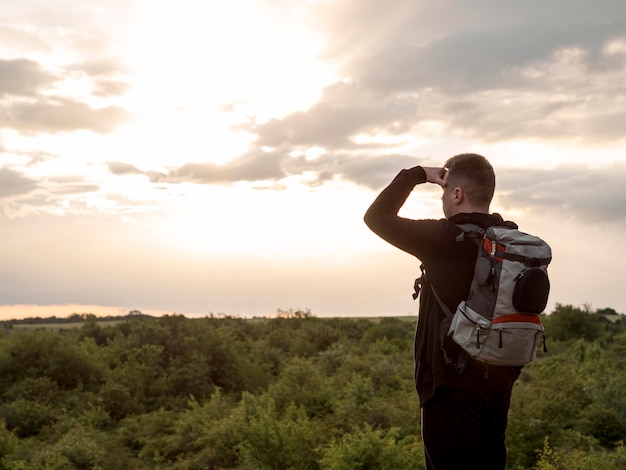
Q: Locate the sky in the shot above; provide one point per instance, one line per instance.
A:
(203, 157)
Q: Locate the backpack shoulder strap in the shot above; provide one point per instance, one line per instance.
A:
(448, 313)
(471, 228)
(420, 282)
(471, 231)
(460, 363)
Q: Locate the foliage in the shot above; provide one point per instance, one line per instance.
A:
(581, 459)
(569, 322)
(293, 391)
(367, 448)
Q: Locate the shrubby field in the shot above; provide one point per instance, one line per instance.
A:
(292, 392)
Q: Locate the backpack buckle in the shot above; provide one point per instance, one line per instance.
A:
(417, 287)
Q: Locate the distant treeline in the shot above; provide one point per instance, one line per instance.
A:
(73, 318)
(609, 314)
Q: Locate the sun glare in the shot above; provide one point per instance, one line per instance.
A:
(202, 68)
(194, 53)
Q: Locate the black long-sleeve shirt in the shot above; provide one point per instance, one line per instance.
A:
(450, 266)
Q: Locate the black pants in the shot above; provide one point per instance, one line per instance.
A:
(465, 429)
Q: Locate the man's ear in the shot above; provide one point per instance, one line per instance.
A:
(458, 195)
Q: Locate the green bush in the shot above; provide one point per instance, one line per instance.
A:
(581, 459)
(368, 448)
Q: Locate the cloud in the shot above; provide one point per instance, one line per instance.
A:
(101, 67)
(121, 168)
(20, 36)
(256, 166)
(69, 189)
(106, 75)
(60, 115)
(362, 29)
(373, 173)
(22, 77)
(344, 111)
(24, 107)
(572, 193)
(481, 71)
(482, 56)
(260, 166)
(576, 193)
(489, 71)
(486, 72)
(106, 88)
(31, 98)
(13, 183)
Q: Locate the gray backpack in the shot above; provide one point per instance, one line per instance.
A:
(499, 322)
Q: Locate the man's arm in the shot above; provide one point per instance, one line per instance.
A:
(382, 216)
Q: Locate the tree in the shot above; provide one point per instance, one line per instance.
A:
(569, 322)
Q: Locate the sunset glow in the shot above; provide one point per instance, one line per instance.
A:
(218, 157)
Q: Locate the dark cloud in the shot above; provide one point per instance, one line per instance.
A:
(13, 183)
(481, 70)
(573, 193)
(501, 84)
(22, 77)
(482, 55)
(362, 29)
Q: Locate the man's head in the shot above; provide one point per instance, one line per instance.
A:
(470, 184)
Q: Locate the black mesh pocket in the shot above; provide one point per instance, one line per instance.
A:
(531, 291)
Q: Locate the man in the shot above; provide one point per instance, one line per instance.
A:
(464, 403)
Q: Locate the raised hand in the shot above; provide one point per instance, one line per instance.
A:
(436, 175)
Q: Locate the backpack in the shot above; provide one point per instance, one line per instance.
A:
(499, 322)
